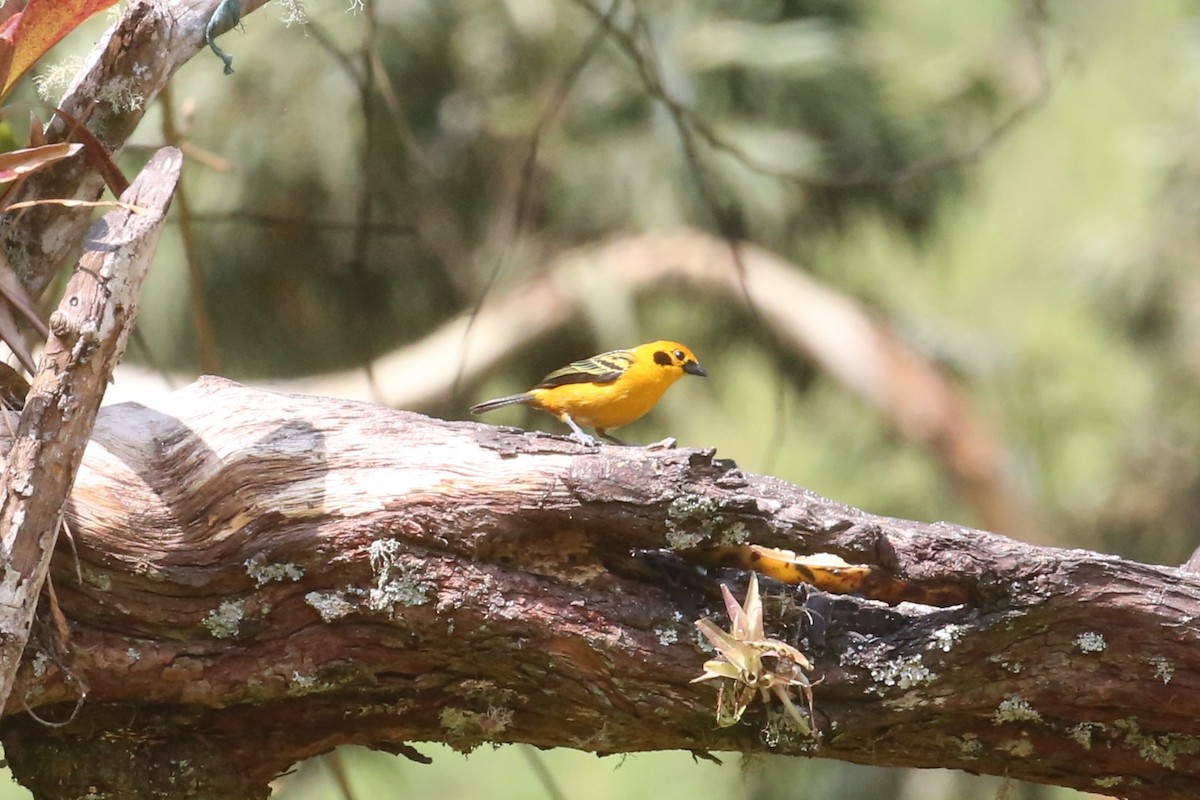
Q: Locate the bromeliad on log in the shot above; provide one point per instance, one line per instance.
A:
(752, 663)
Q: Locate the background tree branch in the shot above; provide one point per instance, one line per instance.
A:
(265, 577)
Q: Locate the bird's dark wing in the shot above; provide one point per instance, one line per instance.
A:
(604, 368)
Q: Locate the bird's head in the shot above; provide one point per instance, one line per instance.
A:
(674, 356)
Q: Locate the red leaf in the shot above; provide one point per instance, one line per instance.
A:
(40, 26)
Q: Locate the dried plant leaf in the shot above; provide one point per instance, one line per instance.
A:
(19, 163)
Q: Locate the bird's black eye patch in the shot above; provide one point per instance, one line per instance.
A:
(662, 359)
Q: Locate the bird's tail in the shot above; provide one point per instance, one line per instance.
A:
(500, 402)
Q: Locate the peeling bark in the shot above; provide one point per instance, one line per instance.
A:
(265, 577)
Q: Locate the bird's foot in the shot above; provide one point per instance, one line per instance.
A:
(584, 439)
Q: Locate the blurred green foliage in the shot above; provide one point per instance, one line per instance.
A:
(1054, 272)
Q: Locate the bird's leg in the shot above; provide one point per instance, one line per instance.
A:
(579, 435)
(609, 437)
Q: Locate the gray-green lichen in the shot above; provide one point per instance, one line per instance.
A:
(264, 573)
(300, 684)
(224, 621)
(669, 634)
(1161, 749)
(467, 724)
(395, 583)
(1014, 709)
(1090, 642)
(98, 580)
(1108, 782)
(121, 95)
(1082, 733)
(1019, 748)
(904, 672)
(1162, 669)
(945, 637)
(39, 664)
(780, 730)
(969, 746)
(693, 520)
(332, 605)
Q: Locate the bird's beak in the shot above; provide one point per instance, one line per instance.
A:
(694, 368)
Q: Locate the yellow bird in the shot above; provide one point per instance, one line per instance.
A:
(608, 390)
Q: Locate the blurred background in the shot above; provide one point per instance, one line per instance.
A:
(1005, 193)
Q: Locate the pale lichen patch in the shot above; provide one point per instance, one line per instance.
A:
(1159, 749)
(1020, 748)
(224, 621)
(331, 605)
(693, 520)
(473, 725)
(904, 672)
(969, 746)
(1091, 642)
(1014, 709)
(264, 573)
(945, 637)
(396, 583)
(39, 664)
(1082, 733)
(1163, 670)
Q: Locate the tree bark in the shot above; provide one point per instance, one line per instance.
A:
(265, 577)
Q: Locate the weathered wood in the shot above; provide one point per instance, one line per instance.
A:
(269, 576)
(88, 333)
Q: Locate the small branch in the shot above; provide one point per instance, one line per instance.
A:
(88, 333)
(206, 340)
